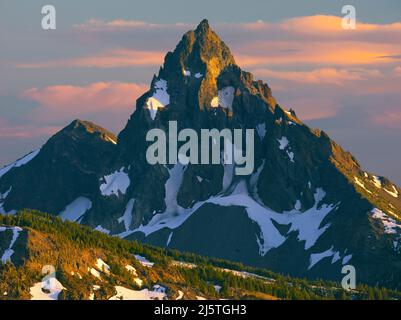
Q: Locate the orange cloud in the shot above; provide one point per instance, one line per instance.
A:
(320, 76)
(318, 53)
(110, 59)
(326, 23)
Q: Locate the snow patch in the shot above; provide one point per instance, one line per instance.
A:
(393, 193)
(111, 140)
(127, 217)
(180, 295)
(94, 272)
(131, 269)
(76, 209)
(316, 257)
(284, 145)
(48, 289)
(19, 162)
(143, 261)
(9, 252)
(261, 130)
(160, 98)
(145, 294)
(377, 182)
(390, 225)
(360, 183)
(101, 229)
(169, 239)
(346, 259)
(224, 99)
(115, 183)
(307, 224)
(102, 266)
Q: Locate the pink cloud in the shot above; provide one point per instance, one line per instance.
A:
(389, 118)
(94, 97)
(108, 103)
(115, 58)
(120, 24)
(8, 130)
(320, 76)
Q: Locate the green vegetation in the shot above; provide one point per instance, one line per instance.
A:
(73, 249)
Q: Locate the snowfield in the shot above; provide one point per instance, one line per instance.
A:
(390, 224)
(76, 209)
(307, 223)
(160, 98)
(19, 162)
(115, 183)
(224, 99)
(9, 252)
(46, 290)
(143, 261)
(145, 294)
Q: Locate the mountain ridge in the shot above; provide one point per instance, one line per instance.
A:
(307, 199)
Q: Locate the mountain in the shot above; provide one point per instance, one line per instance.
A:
(48, 259)
(307, 209)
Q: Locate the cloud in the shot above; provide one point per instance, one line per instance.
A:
(10, 130)
(388, 118)
(116, 58)
(323, 54)
(312, 40)
(107, 103)
(120, 24)
(320, 76)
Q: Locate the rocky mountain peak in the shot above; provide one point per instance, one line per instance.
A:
(80, 128)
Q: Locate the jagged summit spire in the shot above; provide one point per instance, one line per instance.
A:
(198, 59)
(203, 26)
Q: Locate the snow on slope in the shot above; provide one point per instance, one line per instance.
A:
(307, 224)
(284, 145)
(261, 130)
(46, 290)
(102, 266)
(145, 294)
(224, 99)
(9, 252)
(19, 162)
(126, 218)
(76, 209)
(360, 183)
(115, 183)
(393, 193)
(143, 261)
(160, 98)
(377, 182)
(2, 199)
(390, 224)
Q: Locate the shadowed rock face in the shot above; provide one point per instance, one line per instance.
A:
(307, 209)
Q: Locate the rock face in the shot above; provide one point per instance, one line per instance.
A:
(307, 209)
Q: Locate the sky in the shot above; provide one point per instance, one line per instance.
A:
(103, 54)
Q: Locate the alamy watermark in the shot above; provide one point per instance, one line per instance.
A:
(348, 21)
(49, 18)
(210, 147)
(348, 282)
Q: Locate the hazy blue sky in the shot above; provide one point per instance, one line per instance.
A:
(104, 53)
